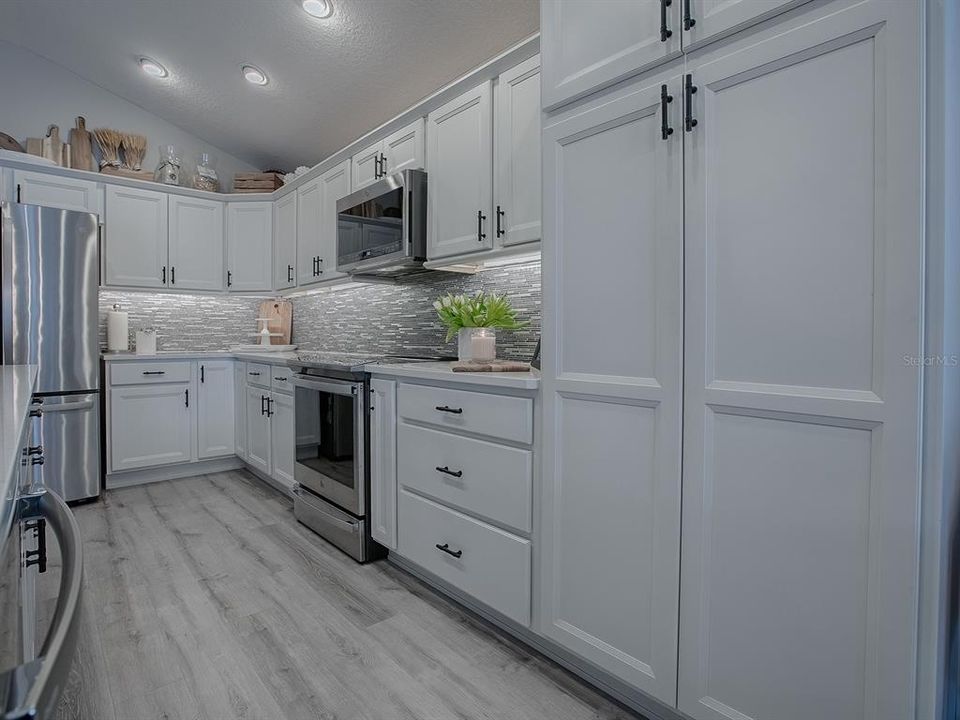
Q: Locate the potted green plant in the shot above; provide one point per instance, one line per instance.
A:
(474, 320)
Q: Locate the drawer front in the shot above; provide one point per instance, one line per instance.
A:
(144, 373)
(493, 566)
(475, 476)
(258, 374)
(496, 416)
(281, 378)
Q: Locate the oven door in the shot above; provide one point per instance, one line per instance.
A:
(331, 440)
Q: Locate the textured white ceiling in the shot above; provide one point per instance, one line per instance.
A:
(330, 80)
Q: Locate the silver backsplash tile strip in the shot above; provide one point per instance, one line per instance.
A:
(376, 319)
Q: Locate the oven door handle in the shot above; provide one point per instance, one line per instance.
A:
(37, 684)
(331, 386)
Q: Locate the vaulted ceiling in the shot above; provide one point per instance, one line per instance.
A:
(330, 80)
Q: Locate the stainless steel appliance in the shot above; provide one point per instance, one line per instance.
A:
(50, 275)
(382, 228)
(332, 457)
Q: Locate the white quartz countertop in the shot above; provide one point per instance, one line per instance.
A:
(16, 389)
(443, 371)
(269, 358)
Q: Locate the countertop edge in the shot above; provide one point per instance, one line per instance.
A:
(442, 372)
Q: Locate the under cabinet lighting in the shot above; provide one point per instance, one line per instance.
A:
(254, 75)
(317, 8)
(152, 67)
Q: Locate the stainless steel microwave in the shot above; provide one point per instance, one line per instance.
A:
(382, 228)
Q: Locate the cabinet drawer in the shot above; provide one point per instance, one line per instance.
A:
(493, 566)
(281, 378)
(258, 374)
(141, 373)
(476, 476)
(497, 416)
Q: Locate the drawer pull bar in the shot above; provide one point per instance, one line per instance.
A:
(154, 372)
(254, 374)
(446, 409)
(447, 471)
(446, 548)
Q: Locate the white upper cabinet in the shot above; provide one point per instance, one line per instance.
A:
(215, 409)
(250, 246)
(196, 244)
(135, 238)
(334, 184)
(58, 192)
(612, 396)
(404, 149)
(366, 165)
(517, 134)
(383, 462)
(803, 296)
(590, 44)
(401, 150)
(709, 19)
(460, 175)
(285, 242)
(309, 222)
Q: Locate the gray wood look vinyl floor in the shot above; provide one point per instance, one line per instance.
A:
(206, 599)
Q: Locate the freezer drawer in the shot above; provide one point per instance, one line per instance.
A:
(70, 436)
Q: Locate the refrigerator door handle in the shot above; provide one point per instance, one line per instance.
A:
(66, 407)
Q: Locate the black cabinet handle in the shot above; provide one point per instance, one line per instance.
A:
(33, 450)
(665, 32)
(383, 165)
(376, 167)
(263, 404)
(688, 22)
(280, 379)
(447, 471)
(37, 460)
(500, 214)
(446, 548)
(481, 235)
(186, 397)
(447, 409)
(201, 374)
(255, 374)
(37, 557)
(173, 275)
(163, 275)
(289, 273)
(690, 122)
(229, 278)
(269, 406)
(665, 98)
(154, 372)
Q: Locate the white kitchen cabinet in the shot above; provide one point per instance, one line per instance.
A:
(401, 150)
(240, 408)
(195, 243)
(705, 20)
(151, 425)
(309, 229)
(250, 246)
(803, 296)
(460, 175)
(281, 416)
(590, 44)
(59, 192)
(215, 409)
(259, 442)
(286, 248)
(612, 399)
(517, 167)
(334, 184)
(383, 462)
(135, 237)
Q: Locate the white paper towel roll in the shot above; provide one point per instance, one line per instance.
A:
(118, 332)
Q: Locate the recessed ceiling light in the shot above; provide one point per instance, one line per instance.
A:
(254, 75)
(317, 8)
(152, 67)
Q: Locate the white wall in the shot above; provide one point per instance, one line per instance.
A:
(36, 93)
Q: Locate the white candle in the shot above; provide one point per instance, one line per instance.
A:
(483, 346)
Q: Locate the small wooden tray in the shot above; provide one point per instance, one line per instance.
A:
(492, 366)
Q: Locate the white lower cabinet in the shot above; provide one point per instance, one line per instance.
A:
(215, 409)
(150, 425)
(281, 415)
(383, 462)
(259, 443)
(240, 408)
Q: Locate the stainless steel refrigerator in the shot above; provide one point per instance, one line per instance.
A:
(50, 268)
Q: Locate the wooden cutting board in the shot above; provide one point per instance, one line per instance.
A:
(280, 313)
(81, 146)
